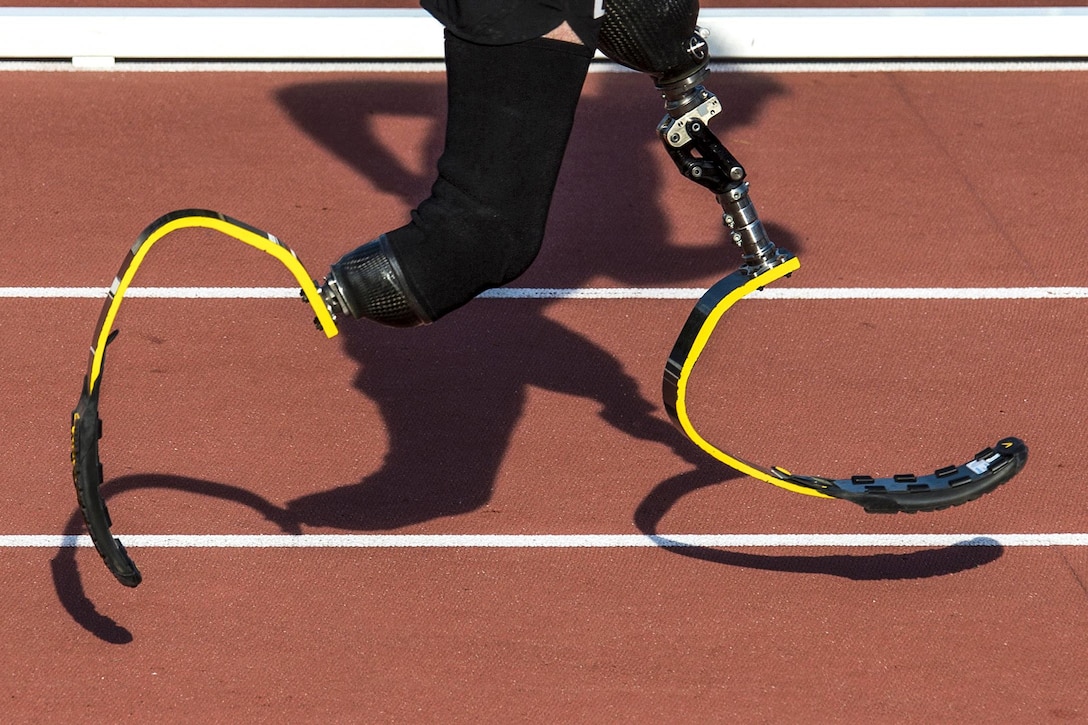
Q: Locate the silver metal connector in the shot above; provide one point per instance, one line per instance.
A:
(747, 232)
(333, 297)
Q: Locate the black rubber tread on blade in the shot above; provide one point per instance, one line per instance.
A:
(87, 477)
(944, 488)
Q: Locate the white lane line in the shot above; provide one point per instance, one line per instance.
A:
(175, 293)
(802, 293)
(586, 293)
(547, 541)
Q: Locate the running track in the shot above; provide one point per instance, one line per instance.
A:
(407, 460)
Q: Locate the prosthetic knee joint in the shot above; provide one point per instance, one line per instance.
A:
(664, 41)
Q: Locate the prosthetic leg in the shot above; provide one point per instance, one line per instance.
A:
(670, 47)
(663, 40)
(510, 111)
(483, 223)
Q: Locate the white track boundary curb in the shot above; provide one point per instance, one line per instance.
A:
(100, 37)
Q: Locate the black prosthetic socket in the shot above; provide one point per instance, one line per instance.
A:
(651, 36)
(660, 38)
(511, 109)
(367, 282)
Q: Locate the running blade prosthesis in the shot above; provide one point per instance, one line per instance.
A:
(702, 158)
(905, 492)
(86, 423)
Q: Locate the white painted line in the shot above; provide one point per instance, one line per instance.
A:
(586, 293)
(333, 33)
(923, 293)
(166, 293)
(800, 293)
(547, 541)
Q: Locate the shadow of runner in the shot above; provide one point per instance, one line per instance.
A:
(608, 217)
(73, 597)
(968, 555)
(65, 569)
(965, 556)
(450, 395)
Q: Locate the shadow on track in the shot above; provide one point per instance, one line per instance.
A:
(451, 395)
(862, 567)
(65, 569)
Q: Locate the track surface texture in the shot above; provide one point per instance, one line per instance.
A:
(543, 416)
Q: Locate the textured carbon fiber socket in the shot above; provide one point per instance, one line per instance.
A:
(371, 285)
(651, 36)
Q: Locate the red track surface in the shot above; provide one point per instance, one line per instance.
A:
(544, 417)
